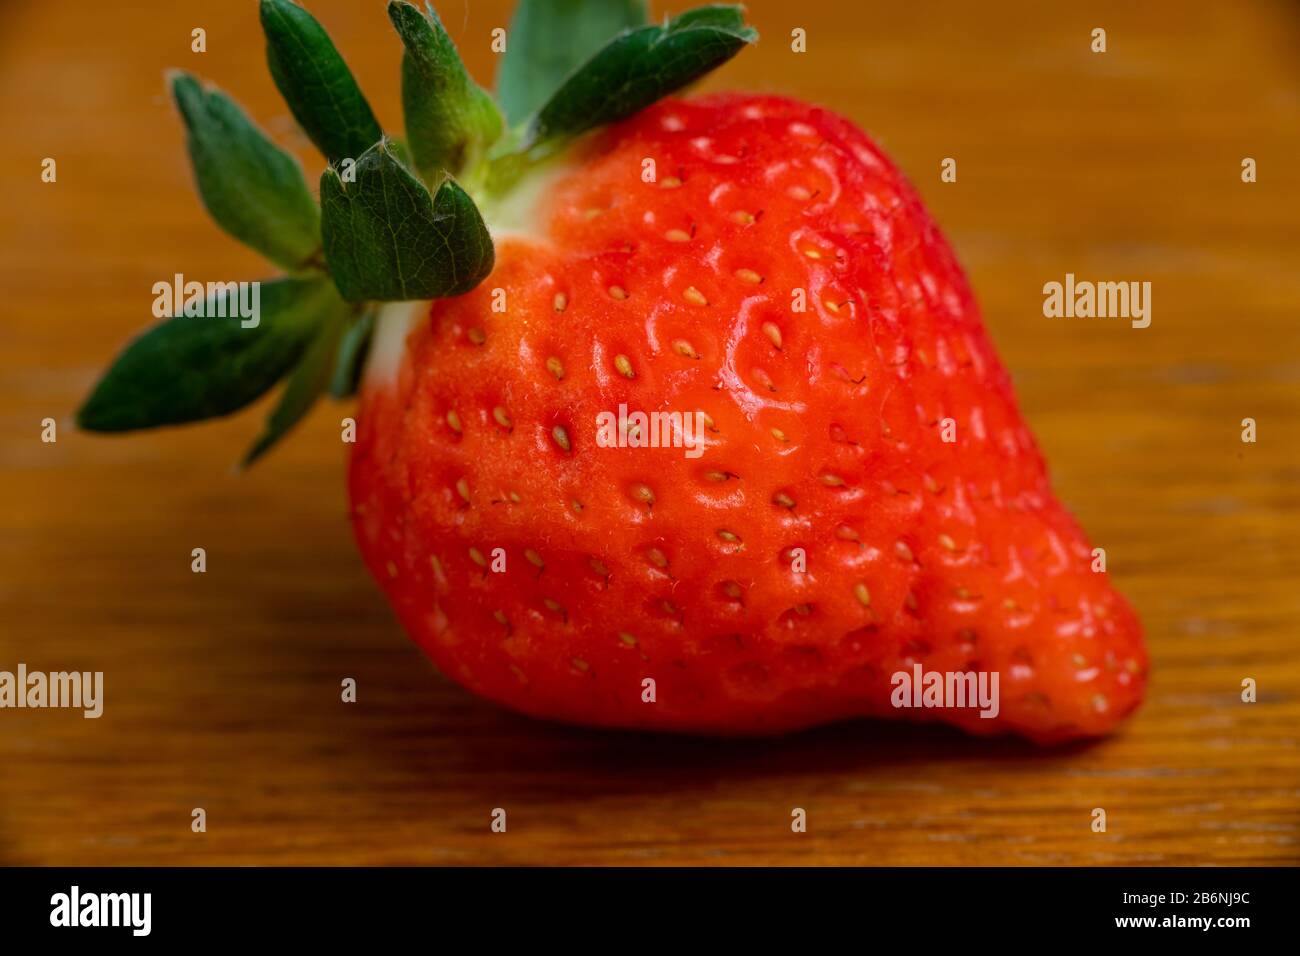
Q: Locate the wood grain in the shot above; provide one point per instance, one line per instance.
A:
(222, 689)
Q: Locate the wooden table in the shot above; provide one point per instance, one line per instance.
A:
(223, 688)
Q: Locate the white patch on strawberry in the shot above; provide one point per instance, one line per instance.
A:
(514, 215)
(393, 324)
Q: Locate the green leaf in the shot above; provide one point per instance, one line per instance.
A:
(720, 15)
(316, 83)
(252, 188)
(353, 349)
(636, 69)
(305, 385)
(549, 39)
(386, 238)
(188, 368)
(450, 120)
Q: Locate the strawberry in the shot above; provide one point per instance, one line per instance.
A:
(681, 414)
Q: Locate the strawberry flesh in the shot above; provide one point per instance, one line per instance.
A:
(826, 433)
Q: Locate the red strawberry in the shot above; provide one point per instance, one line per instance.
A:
(866, 501)
(629, 563)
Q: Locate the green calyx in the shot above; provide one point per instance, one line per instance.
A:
(450, 120)
(387, 238)
(397, 220)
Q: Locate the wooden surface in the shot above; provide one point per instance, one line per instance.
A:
(223, 689)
